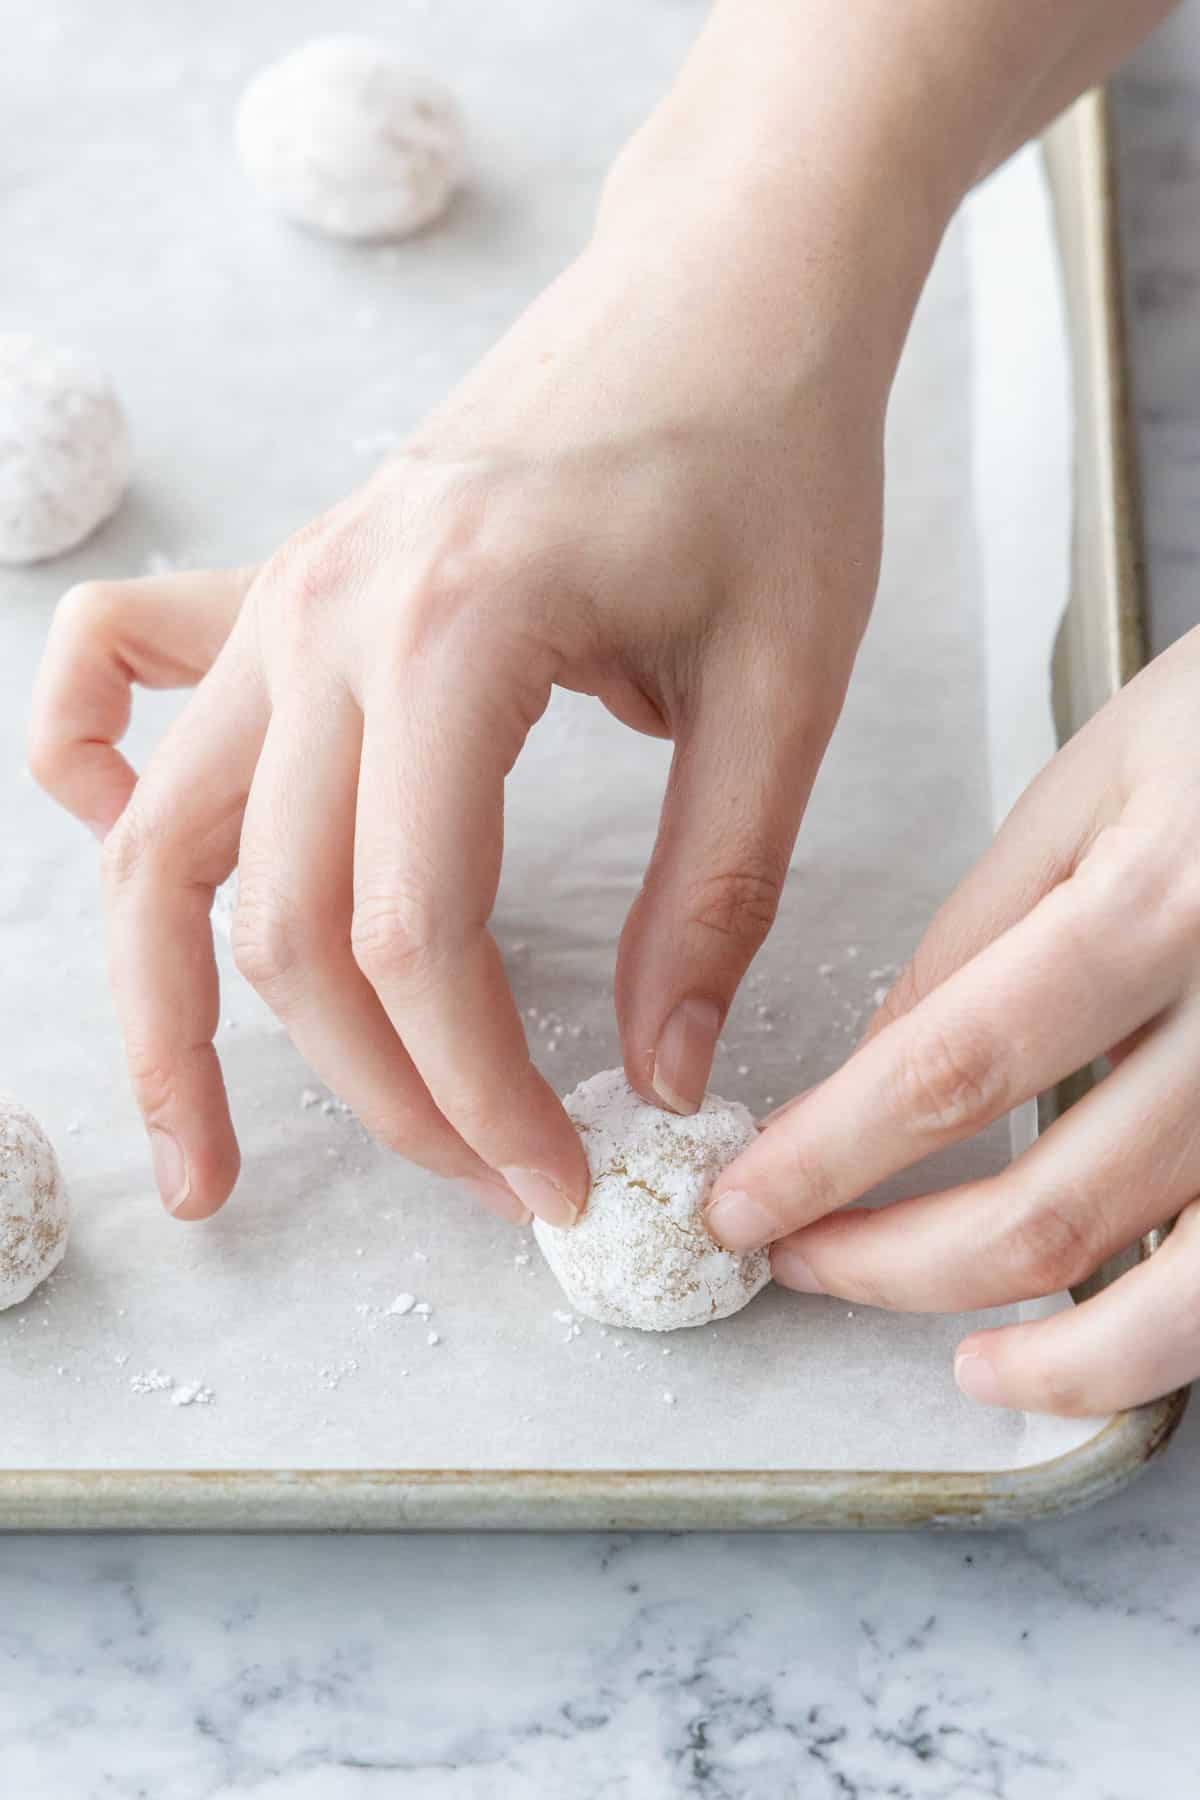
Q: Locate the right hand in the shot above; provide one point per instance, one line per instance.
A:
(662, 487)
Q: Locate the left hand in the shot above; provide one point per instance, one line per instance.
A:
(1075, 936)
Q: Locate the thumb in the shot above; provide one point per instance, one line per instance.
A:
(739, 782)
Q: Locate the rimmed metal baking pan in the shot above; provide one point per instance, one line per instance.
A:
(1100, 646)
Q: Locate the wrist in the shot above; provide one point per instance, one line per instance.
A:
(762, 247)
(786, 186)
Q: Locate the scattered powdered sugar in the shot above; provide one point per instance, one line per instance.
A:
(641, 1255)
(157, 1381)
(150, 1381)
(332, 1375)
(192, 1393)
(403, 1303)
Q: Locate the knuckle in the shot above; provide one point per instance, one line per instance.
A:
(126, 849)
(904, 994)
(152, 1079)
(1149, 876)
(1126, 873)
(1053, 1388)
(458, 575)
(87, 607)
(268, 937)
(1051, 1245)
(398, 1130)
(44, 753)
(950, 1083)
(739, 903)
(394, 934)
(316, 566)
(867, 1288)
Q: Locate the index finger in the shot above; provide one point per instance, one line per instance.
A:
(1075, 975)
(107, 636)
(427, 854)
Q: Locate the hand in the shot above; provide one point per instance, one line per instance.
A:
(651, 504)
(1076, 935)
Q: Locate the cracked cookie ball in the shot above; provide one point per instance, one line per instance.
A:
(641, 1255)
(34, 1210)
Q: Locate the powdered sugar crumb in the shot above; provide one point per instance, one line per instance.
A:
(192, 1393)
(150, 1381)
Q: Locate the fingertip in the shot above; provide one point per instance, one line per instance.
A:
(739, 1222)
(976, 1375)
(193, 1182)
(542, 1195)
(683, 1054)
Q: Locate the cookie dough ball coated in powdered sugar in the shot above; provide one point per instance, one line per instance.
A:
(343, 138)
(34, 1210)
(64, 449)
(641, 1255)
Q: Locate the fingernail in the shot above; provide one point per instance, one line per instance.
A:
(683, 1054)
(791, 1271)
(740, 1223)
(978, 1379)
(542, 1196)
(170, 1169)
(497, 1199)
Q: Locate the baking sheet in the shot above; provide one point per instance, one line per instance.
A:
(262, 369)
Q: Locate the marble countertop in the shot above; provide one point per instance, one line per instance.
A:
(1060, 1661)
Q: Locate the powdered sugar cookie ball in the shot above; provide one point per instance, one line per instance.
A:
(64, 449)
(34, 1209)
(343, 138)
(641, 1255)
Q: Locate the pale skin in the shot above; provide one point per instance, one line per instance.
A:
(664, 487)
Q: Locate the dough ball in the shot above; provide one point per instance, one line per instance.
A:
(641, 1255)
(343, 138)
(34, 1209)
(64, 449)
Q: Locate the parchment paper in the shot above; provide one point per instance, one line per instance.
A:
(260, 368)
